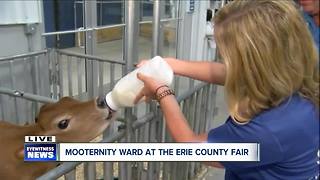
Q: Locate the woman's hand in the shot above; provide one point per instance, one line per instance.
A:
(169, 60)
(149, 90)
(142, 62)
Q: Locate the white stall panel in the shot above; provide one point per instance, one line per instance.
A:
(19, 12)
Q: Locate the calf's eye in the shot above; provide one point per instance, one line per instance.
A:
(63, 124)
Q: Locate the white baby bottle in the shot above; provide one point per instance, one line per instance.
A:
(127, 88)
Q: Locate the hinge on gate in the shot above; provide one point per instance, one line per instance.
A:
(53, 78)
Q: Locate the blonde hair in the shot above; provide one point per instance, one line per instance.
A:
(269, 55)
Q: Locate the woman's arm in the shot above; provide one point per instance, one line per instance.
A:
(211, 72)
(175, 121)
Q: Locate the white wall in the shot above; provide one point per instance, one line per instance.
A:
(19, 12)
(192, 31)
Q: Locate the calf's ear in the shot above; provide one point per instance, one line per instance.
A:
(20, 153)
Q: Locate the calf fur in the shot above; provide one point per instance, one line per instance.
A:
(69, 120)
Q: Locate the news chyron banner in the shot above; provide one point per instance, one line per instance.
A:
(40, 148)
(44, 148)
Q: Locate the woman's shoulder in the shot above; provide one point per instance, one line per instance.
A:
(295, 113)
(293, 108)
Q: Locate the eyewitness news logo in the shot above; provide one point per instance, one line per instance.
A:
(40, 148)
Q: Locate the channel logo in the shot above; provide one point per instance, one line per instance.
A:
(40, 148)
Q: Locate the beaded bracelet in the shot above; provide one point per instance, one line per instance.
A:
(156, 91)
(164, 94)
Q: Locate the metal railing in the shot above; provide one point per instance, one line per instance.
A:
(63, 69)
(71, 76)
(197, 105)
(27, 96)
(22, 72)
(85, 76)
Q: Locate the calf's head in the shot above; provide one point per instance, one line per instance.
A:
(74, 121)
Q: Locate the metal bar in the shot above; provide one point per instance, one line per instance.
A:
(21, 94)
(20, 56)
(69, 73)
(122, 172)
(204, 109)
(38, 86)
(75, 14)
(59, 61)
(58, 171)
(198, 111)
(108, 166)
(196, 122)
(35, 80)
(13, 84)
(187, 94)
(223, 3)
(68, 53)
(100, 7)
(28, 86)
(176, 84)
(178, 28)
(79, 74)
(132, 33)
(112, 76)
(161, 20)
(210, 107)
(56, 74)
(131, 56)
(70, 175)
(101, 88)
(186, 111)
(90, 8)
(173, 170)
(52, 75)
(90, 170)
(82, 30)
(122, 166)
(141, 138)
(109, 26)
(156, 28)
(191, 119)
(151, 136)
(90, 45)
(102, 2)
(166, 170)
(108, 171)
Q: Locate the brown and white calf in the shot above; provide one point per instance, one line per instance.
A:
(68, 119)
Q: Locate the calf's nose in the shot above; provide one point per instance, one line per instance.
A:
(101, 102)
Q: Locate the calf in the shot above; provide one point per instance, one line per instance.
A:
(69, 120)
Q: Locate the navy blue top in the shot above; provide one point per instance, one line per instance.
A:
(289, 141)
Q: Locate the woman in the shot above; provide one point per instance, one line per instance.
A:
(271, 86)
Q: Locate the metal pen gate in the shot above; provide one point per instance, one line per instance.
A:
(65, 73)
(22, 74)
(198, 105)
(65, 70)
